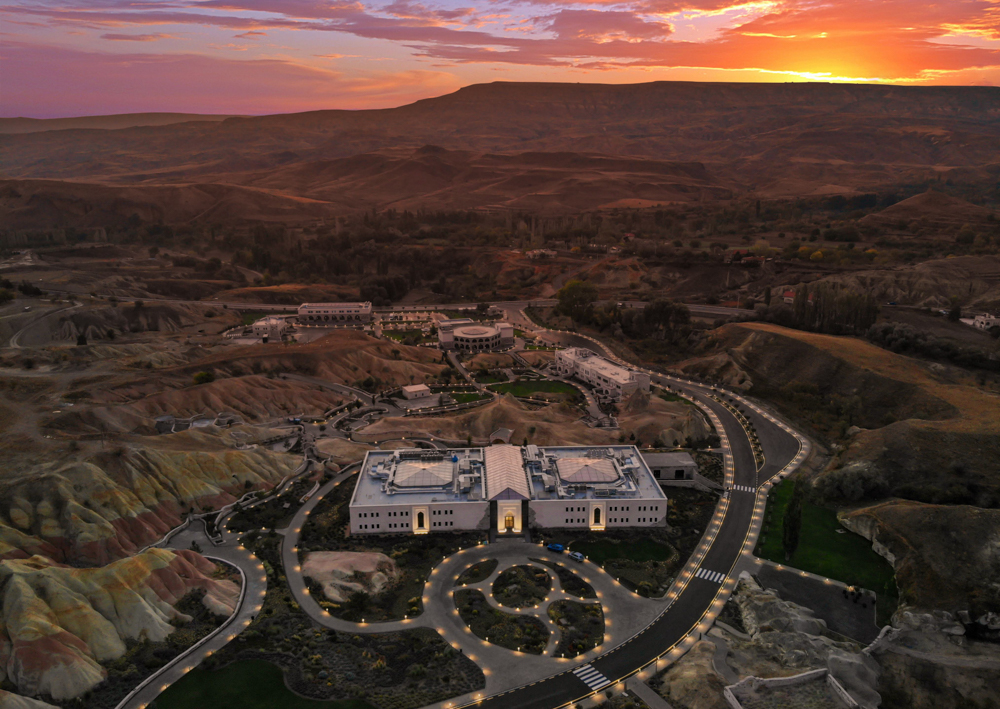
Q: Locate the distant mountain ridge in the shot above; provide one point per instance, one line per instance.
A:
(21, 125)
(512, 145)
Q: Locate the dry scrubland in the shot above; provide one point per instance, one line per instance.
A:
(923, 434)
(552, 424)
(85, 482)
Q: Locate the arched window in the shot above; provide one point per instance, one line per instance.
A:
(420, 520)
(597, 515)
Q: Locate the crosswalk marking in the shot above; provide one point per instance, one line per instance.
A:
(591, 677)
(745, 488)
(713, 576)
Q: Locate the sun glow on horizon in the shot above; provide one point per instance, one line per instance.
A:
(261, 56)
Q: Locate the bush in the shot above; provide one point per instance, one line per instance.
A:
(203, 378)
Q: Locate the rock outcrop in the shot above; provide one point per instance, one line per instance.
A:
(60, 623)
(9, 700)
(342, 573)
(946, 557)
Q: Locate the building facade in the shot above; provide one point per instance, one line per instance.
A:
(335, 313)
(986, 321)
(610, 381)
(271, 329)
(506, 488)
(470, 336)
(416, 391)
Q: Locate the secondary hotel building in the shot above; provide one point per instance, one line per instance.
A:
(505, 488)
(609, 380)
(334, 313)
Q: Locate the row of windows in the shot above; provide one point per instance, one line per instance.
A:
(625, 520)
(444, 524)
(574, 509)
(327, 318)
(369, 526)
(404, 513)
(443, 512)
(582, 520)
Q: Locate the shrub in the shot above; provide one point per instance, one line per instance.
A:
(204, 378)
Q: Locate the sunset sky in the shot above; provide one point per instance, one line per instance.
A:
(84, 57)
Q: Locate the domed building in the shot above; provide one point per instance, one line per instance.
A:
(472, 336)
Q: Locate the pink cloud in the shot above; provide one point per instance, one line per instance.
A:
(88, 83)
(135, 37)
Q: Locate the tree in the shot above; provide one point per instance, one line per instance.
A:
(792, 523)
(576, 299)
(204, 378)
(767, 296)
(81, 340)
(6, 296)
(955, 314)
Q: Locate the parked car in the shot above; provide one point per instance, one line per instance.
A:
(557, 548)
(577, 556)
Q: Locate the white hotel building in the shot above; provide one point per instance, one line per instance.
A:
(335, 313)
(505, 488)
(609, 380)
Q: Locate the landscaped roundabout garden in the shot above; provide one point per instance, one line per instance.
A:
(514, 632)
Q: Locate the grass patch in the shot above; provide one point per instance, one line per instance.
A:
(246, 684)
(639, 550)
(581, 627)
(477, 572)
(514, 632)
(249, 318)
(468, 398)
(823, 550)
(527, 388)
(489, 377)
(522, 586)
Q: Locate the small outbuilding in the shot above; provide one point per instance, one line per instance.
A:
(416, 391)
(671, 466)
(501, 435)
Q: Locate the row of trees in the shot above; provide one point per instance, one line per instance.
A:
(661, 319)
(825, 309)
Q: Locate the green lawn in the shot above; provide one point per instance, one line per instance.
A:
(640, 550)
(466, 398)
(249, 318)
(822, 550)
(527, 388)
(246, 684)
(489, 378)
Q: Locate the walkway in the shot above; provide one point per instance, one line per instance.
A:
(250, 601)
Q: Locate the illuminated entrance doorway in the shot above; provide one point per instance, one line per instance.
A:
(508, 522)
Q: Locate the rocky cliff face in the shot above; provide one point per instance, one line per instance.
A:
(945, 556)
(60, 623)
(113, 504)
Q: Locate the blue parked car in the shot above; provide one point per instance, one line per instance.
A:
(577, 556)
(557, 548)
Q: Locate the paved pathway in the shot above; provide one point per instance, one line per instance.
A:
(251, 599)
(647, 694)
